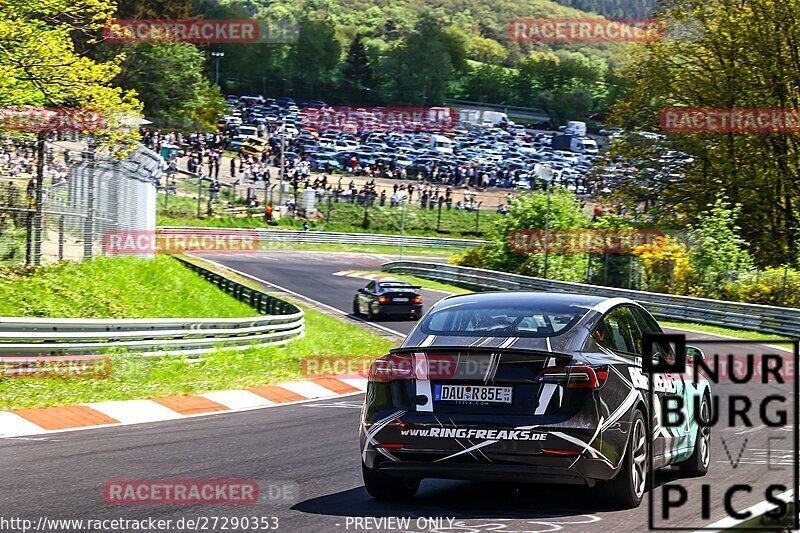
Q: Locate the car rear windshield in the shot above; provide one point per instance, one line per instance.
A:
(480, 319)
(396, 286)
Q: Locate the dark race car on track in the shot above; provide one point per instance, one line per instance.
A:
(388, 298)
(526, 387)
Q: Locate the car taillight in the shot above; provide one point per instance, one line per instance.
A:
(391, 367)
(383, 299)
(417, 299)
(574, 376)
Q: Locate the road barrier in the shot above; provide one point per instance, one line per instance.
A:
(280, 323)
(752, 317)
(321, 237)
(534, 113)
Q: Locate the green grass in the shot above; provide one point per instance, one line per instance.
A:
(114, 287)
(717, 330)
(134, 376)
(408, 251)
(347, 218)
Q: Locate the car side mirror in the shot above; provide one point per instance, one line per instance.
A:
(693, 353)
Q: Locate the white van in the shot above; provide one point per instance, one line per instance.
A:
(575, 127)
(441, 144)
(493, 118)
(589, 146)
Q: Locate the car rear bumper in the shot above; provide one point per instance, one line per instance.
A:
(585, 474)
(400, 309)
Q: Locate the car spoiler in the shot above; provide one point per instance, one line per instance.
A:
(564, 358)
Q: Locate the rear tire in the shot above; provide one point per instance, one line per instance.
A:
(697, 464)
(370, 314)
(383, 487)
(628, 486)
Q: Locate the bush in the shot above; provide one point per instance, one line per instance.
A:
(666, 265)
(775, 286)
(471, 258)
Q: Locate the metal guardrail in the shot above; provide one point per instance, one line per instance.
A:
(319, 237)
(281, 322)
(517, 111)
(752, 317)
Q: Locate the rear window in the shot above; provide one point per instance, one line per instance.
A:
(396, 287)
(480, 319)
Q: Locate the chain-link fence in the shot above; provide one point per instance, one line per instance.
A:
(60, 196)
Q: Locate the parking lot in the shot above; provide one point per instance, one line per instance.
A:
(479, 155)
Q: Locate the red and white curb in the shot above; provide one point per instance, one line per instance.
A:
(362, 275)
(36, 421)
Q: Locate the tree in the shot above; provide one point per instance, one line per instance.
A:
(488, 83)
(357, 75)
(529, 212)
(486, 50)
(179, 91)
(667, 267)
(739, 55)
(720, 247)
(427, 59)
(314, 58)
(40, 65)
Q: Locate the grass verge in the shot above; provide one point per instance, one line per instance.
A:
(114, 287)
(344, 217)
(134, 376)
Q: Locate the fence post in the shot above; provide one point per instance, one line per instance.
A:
(199, 195)
(88, 228)
(38, 217)
(61, 238)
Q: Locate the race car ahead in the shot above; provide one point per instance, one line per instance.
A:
(526, 387)
(388, 298)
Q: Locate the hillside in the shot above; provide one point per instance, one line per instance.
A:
(386, 19)
(615, 8)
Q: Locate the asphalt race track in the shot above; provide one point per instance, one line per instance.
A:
(313, 448)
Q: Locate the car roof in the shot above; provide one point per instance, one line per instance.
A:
(537, 299)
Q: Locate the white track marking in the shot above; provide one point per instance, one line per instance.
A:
(14, 425)
(39, 430)
(135, 411)
(236, 399)
(308, 389)
(756, 510)
(306, 298)
(359, 383)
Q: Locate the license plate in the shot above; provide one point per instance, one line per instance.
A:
(472, 394)
(399, 299)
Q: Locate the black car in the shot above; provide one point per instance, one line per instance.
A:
(521, 386)
(388, 298)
